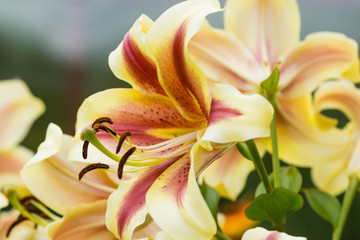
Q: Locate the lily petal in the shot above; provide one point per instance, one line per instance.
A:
(126, 206)
(222, 56)
(228, 174)
(304, 134)
(319, 57)
(11, 163)
(260, 233)
(267, 28)
(180, 77)
(18, 110)
(236, 116)
(133, 62)
(176, 205)
(150, 118)
(84, 222)
(49, 174)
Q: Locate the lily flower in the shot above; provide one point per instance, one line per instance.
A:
(177, 128)
(258, 35)
(333, 175)
(18, 110)
(260, 233)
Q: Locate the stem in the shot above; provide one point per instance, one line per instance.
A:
(221, 236)
(259, 165)
(345, 208)
(274, 145)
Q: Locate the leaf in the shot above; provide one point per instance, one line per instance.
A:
(211, 197)
(244, 150)
(274, 206)
(324, 204)
(271, 83)
(290, 178)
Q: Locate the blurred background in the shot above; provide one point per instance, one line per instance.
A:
(60, 49)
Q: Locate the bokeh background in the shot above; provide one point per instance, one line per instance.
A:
(60, 49)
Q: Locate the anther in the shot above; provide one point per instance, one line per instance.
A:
(85, 149)
(123, 160)
(102, 120)
(100, 126)
(19, 220)
(121, 141)
(91, 167)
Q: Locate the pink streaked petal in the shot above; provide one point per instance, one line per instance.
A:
(179, 76)
(49, 174)
(133, 62)
(176, 205)
(236, 116)
(260, 233)
(319, 57)
(223, 58)
(228, 174)
(267, 28)
(84, 222)
(127, 206)
(18, 110)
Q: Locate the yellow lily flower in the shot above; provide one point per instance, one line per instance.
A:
(18, 110)
(177, 128)
(260, 233)
(258, 35)
(48, 176)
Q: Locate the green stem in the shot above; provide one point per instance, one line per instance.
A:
(274, 145)
(259, 165)
(221, 236)
(345, 208)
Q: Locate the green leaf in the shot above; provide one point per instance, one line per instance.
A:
(290, 178)
(211, 197)
(324, 204)
(274, 206)
(271, 83)
(244, 150)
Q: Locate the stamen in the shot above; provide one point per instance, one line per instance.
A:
(97, 127)
(121, 141)
(102, 120)
(92, 167)
(19, 220)
(85, 149)
(123, 160)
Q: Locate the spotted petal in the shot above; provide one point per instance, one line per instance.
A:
(49, 174)
(18, 110)
(319, 57)
(150, 118)
(127, 205)
(180, 77)
(236, 116)
(267, 28)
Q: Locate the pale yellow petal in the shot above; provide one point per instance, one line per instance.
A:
(228, 174)
(18, 110)
(267, 28)
(84, 222)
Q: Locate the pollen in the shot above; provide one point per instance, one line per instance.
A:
(121, 140)
(102, 120)
(91, 167)
(123, 160)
